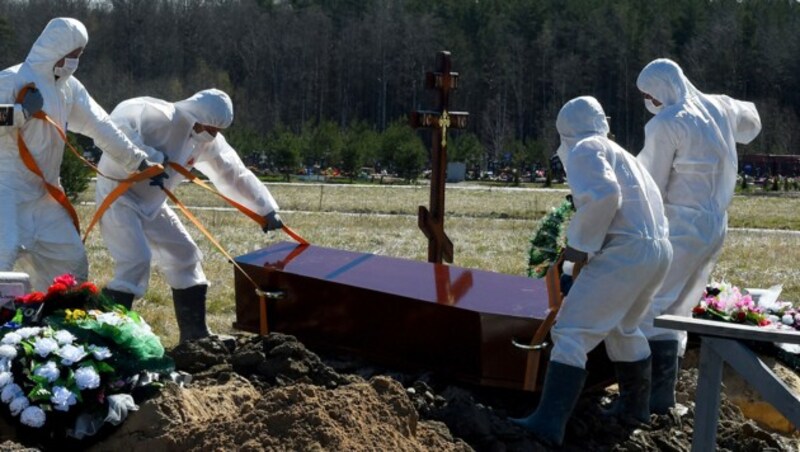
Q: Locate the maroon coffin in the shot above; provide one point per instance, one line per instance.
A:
(398, 311)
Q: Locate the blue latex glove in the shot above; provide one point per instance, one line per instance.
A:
(32, 103)
(273, 221)
(158, 179)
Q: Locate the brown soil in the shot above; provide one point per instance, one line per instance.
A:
(274, 394)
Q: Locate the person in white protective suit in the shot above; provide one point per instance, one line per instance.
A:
(619, 221)
(36, 232)
(690, 150)
(140, 226)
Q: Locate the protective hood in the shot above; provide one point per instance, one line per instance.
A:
(664, 80)
(210, 107)
(579, 118)
(60, 37)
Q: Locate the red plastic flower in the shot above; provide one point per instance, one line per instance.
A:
(89, 287)
(33, 297)
(764, 322)
(741, 316)
(699, 310)
(57, 288)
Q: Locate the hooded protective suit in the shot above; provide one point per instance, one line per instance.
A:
(619, 219)
(690, 150)
(35, 230)
(140, 225)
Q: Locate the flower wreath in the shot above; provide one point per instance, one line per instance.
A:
(549, 239)
(70, 359)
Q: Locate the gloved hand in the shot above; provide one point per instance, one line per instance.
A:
(273, 221)
(571, 202)
(573, 255)
(158, 179)
(32, 103)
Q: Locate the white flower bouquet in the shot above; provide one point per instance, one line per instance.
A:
(69, 359)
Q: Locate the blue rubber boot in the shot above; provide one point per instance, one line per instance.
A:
(562, 387)
(190, 312)
(665, 374)
(634, 379)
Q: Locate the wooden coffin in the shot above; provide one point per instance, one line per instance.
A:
(398, 311)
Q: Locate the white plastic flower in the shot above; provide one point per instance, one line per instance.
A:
(787, 319)
(62, 398)
(111, 318)
(87, 378)
(10, 392)
(8, 351)
(33, 416)
(48, 370)
(64, 337)
(28, 331)
(5, 378)
(100, 353)
(5, 365)
(44, 346)
(18, 404)
(11, 338)
(71, 354)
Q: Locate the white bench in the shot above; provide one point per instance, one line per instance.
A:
(720, 342)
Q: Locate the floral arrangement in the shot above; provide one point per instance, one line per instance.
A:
(726, 302)
(70, 359)
(549, 239)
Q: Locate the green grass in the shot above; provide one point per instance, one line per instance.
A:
(489, 227)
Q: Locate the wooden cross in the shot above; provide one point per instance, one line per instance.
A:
(432, 222)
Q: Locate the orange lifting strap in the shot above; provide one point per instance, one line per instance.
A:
(56, 192)
(554, 298)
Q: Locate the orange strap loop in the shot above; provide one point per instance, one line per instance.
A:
(118, 191)
(254, 216)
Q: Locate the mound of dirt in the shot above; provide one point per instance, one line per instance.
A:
(272, 393)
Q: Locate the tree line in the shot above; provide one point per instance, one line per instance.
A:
(331, 82)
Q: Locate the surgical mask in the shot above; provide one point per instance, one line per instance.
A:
(202, 137)
(69, 68)
(651, 107)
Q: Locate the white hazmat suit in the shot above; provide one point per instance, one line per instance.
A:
(619, 219)
(690, 150)
(620, 222)
(140, 225)
(35, 231)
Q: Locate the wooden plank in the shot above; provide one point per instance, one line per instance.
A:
(751, 368)
(707, 398)
(727, 330)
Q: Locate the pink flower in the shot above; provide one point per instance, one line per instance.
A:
(66, 279)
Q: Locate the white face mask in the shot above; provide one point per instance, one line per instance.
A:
(651, 107)
(69, 68)
(202, 137)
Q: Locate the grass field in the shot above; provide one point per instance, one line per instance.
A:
(490, 229)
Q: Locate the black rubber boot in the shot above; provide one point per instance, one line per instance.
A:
(190, 312)
(665, 374)
(634, 379)
(562, 387)
(119, 297)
